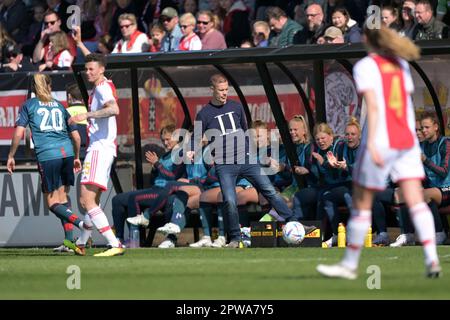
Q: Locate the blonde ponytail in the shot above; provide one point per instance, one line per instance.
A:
(42, 83)
(387, 41)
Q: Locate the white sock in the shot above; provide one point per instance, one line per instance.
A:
(424, 224)
(85, 234)
(356, 233)
(100, 221)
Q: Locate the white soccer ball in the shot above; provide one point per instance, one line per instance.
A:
(293, 233)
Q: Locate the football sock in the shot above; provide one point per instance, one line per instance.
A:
(178, 209)
(100, 221)
(67, 226)
(64, 213)
(356, 232)
(220, 220)
(423, 222)
(85, 233)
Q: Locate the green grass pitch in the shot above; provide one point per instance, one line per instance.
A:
(185, 273)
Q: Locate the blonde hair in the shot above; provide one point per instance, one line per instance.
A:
(218, 78)
(386, 41)
(188, 18)
(300, 118)
(59, 41)
(323, 128)
(42, 87)
(127, 16)
(354, 122)
(259, 124)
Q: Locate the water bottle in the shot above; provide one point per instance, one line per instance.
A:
(134, 237)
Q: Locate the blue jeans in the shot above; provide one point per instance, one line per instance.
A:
(228, 174)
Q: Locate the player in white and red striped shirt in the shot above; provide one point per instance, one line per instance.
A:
(102, 149)
(389, 147)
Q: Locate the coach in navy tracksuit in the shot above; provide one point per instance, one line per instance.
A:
(224, 122)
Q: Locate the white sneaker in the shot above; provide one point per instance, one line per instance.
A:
(139, 220)
(166, 244)
(169, 228)
(404, 239)
(337, 271)
(441, 238)
(220, 242)
(62, 248)
(203, 242)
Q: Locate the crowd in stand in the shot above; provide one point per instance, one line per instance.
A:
(36, 35)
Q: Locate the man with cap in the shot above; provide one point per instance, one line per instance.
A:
(169, 20)
(331, 35)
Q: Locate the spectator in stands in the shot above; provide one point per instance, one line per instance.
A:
(52, 24)
(60, 7)
(407, 19)
(13, 16)
(133, 40)
(150, 11)
(236, 24)
(123, 6)
(260, 35)
(315, 26)
(15, 60)
(190, 6)
(332, 35)
(428, 27)
(328, 8)
(157, 34)
(350, 29)
(58, 57)
(211, 37)
(390, 17)
(190, 40)
(284, 29)
(5, 41)
(34, 31)
(169, 19)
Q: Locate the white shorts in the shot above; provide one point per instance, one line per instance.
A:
(96, 168)
(398, 164)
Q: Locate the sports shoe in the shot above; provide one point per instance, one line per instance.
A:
(433, 270)
(139, 220)
(235, 245)
(169, 228)
(77, 249)
(167, 244)
(111, 251)
(404, 239)
(336, 271)
(441, 238)
(381, 240)
(220, 242)
(332, 242)
(203, 242)
(62, 248)
(309, 229)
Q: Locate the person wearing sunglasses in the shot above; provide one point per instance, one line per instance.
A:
(169, 19)
(211, 38)
(190, 40)
(52, 24)
(133, 40)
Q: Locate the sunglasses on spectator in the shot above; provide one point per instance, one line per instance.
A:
(184, 26)
(165, 19)
(299, 117)
(125, 26)
(50, 22)
(203, 22)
